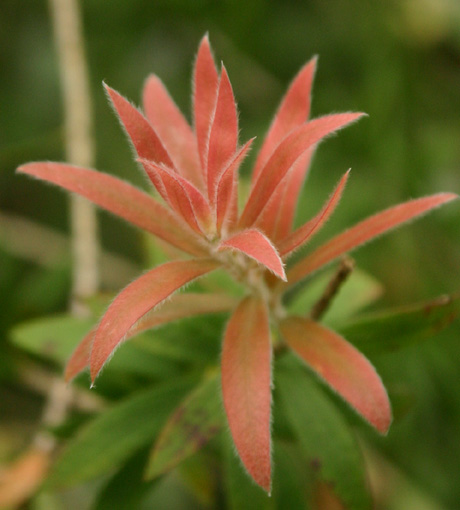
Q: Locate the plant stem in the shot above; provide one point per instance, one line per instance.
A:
(78, 143)
(79, 151)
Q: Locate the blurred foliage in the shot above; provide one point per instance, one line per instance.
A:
(397, 60)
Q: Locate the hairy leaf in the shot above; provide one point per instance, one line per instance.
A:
(205, 81)
(246, 375)
(285, 155)
(223, 135)
(341, 366)
(365, 231)
(137, 299)
(304, 233)
(119, 198)
(256, 245)
(173, 129)
(292, 112)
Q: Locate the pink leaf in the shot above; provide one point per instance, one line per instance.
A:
(223, 135)
(174, 131)
(139, 130)
(344, 368)
(256, 245)
(181, 195)
(292, 112)
(278, 215)
(120, 198)
(138, 298)
(284, 156)
(246, 375)
(205, 93)
(227, 187)
(365, 231)
(306, 231)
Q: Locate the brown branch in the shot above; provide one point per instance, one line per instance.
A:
(338, 279)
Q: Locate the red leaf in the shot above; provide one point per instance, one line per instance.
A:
(138, 298)
(284, 156)
(227, 187)
(174, 131)
(256, 245)
(139, 130)
(205, 91)
(278, 215)
(120, 198)
(246, 376)
(223, 135)
(292, 112)
(365, 231)
(182, 196)
(344, 368)
(306, 231)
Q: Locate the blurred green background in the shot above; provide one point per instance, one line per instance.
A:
(399, 61)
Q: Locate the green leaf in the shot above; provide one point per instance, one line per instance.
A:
(195, 421)
(195, 339)
(291, 483)
(323, 433)
(113, 436)
(56, 337)
(241, 492)
(395, 329)
(51, 337)
(359, 291)
(127, 487)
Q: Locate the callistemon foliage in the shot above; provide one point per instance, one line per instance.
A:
(194, 172)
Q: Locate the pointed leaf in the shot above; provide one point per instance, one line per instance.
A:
(364, 231)
(278, 215)
(329, 443)
(127, 487)
(223, 135)
(113, 436)
(227, 187)
(137, 299)
(205, 93)
(344, 368)
(139, 130)
(195, 421)
(292, 112)
(241, 493)
(256, 245)
(119, 198)
(178, 192)
(285, 155)
(246, 375)
(174, 131)
(391, 330)
(304, 233)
